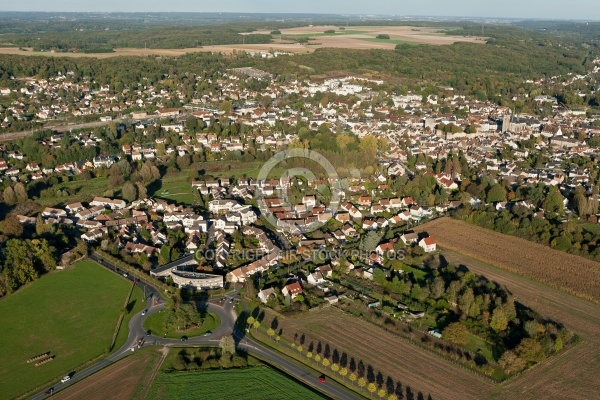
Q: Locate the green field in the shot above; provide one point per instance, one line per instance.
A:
(155, 324)
(72, 314)
(255, 383)
(175, 187)
(478, 345)
(82, 191)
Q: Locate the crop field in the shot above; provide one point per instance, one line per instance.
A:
(406, 364)
(259, 382)
(564, 271)
(572, 374)
(350, 38)
(72, 314)
(126, 380)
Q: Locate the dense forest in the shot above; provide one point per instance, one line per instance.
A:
(498, 68)
(155, 38)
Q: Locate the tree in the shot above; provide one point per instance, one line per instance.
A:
(362, 382)
(466, 300)
(271, 332)
(256, 324)
(227, 344)
(499, 321)
(344, 372)
(558, 344)
(164, 256)
(226, 106)
(142, 192)
(343, 141)
(12, 227)
(372, 388)
(392, 397)
(129, 192)
(511, 363)
(456, 333)
(250, 320)
(381, 392)
(21, 193)
(325, 362)
(530, 350)
(438, 288)
(335, 367)
(353, 377)
(370, 241)
(368, 147)
(9, 196)
(496, 193)
(553, 204)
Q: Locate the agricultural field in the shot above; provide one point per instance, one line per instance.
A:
(72, 314)
(355, 37)
(406, 364)
(349, 38)
(261, 382)
(574, 274)
(155, 324)
(574, 371)
(126, 380)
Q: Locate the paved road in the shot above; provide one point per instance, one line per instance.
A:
(224, 309)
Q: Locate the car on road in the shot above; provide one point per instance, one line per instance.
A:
(144, 312)
(322, 379)
(148, 332)
(49, 391)
(231, 300)
(207, 333)
(184, 338)
(65, 379)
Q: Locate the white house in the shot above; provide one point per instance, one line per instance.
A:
(428, 244)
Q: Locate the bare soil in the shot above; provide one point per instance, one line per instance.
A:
(127, 379)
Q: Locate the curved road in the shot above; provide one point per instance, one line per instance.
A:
(224, 309)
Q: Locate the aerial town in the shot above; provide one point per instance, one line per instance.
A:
(259, 200)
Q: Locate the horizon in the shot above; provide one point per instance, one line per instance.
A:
(308, 13)
(575, 10)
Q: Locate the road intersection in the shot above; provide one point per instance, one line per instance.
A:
(155, 303)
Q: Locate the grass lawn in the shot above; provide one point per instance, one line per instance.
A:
(477, 344)
(84, 190)
(175, 187)
(155, 324)
(136, 304)
(592, 228)
(260, 382)
(72, 314)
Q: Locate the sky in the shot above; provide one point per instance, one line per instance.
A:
(539, 9)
